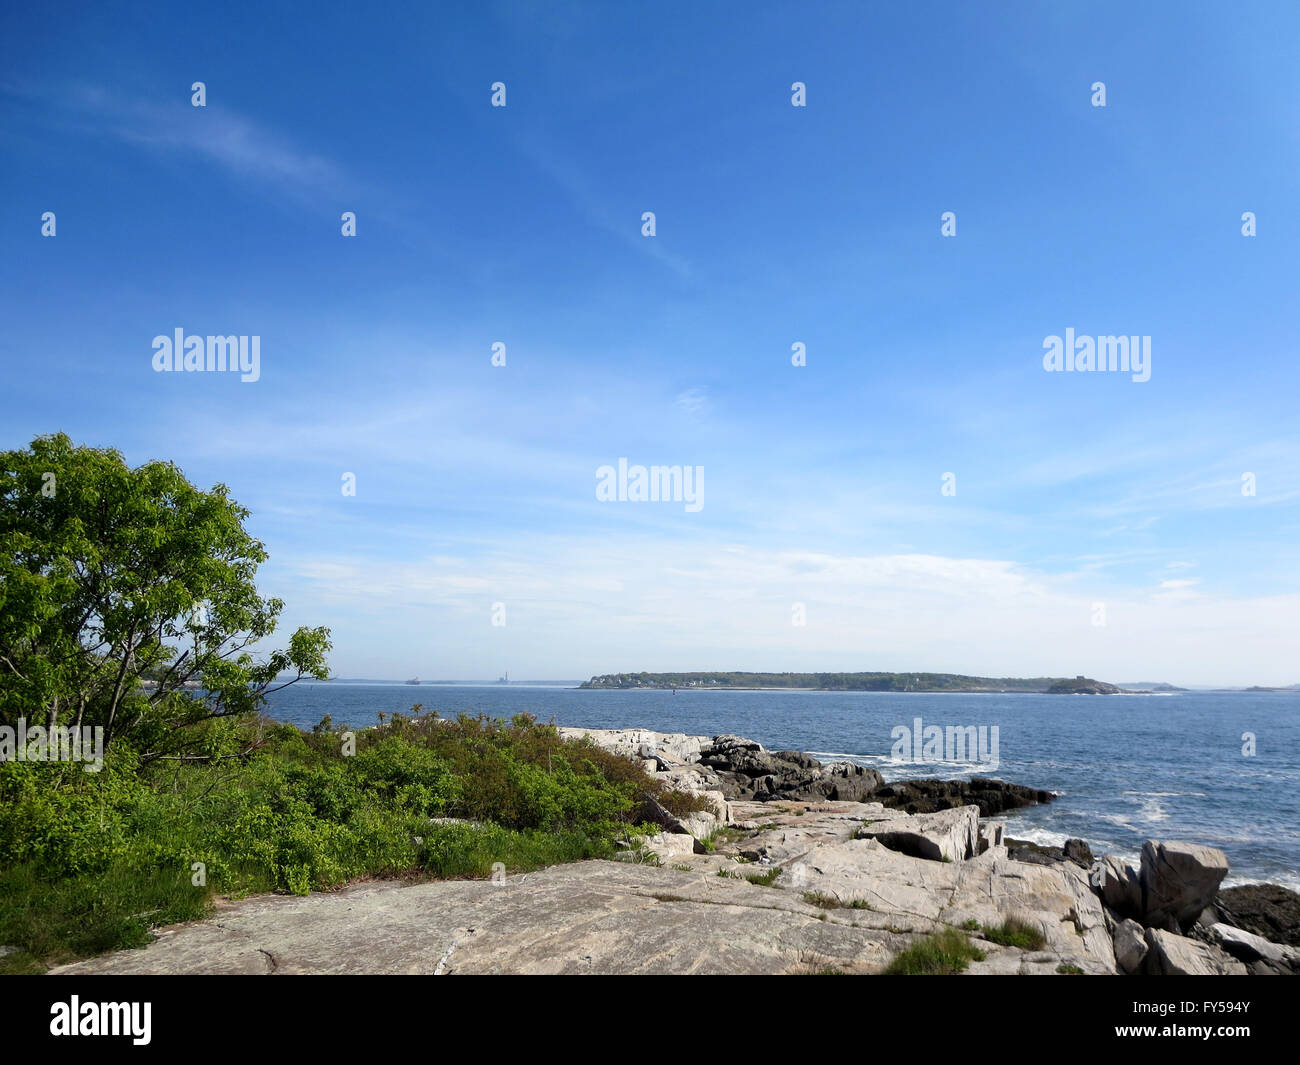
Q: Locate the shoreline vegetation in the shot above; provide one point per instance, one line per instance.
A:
(867, 682)
(90, 863)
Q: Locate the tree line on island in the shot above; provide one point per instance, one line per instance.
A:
(869, 682)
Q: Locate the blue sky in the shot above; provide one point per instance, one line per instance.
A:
(775, 224)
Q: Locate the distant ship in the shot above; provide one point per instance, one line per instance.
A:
(414, 680)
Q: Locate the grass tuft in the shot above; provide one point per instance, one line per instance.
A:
(1015, 932)
(831, 902)
(941, 954)
(765, 879)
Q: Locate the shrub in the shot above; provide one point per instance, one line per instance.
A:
(294, 816)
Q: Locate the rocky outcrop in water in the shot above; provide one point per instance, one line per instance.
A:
(927, 796)
(1083, 686)
(742, 769)
(1264, 909)
(746, 770)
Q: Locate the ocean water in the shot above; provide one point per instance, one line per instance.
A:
(1126, 768)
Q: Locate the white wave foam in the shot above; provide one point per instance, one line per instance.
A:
(1168, 794)
(1286, 878)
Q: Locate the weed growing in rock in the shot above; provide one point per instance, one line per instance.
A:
(831, 902)
(941, 954)
(1015, 932)
(765, 879)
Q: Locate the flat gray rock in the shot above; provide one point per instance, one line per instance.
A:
(589, 917)
(1172, 955)
(948, 835)
(1246, 946)
(837, 903)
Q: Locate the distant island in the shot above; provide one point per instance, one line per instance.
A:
(1150, 686)
(865, 682)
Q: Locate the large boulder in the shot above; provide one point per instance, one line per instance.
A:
(1130, 946)
(1172, 955)
(1179, 880)
(1077, 851)
(701, 824)
(652, 812)
(749, 762)
(698, 824)
(1121, 887)
(666, 845)
(717, 806)
(722, 749)
(949, 835)
(991, 835)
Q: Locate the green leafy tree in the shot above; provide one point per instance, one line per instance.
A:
(127, 601)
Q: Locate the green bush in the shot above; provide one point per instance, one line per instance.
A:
(89, 862)
(64, 830)
(411, 777)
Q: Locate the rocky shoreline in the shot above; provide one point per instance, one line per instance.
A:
(1166, 917)
(788, 866)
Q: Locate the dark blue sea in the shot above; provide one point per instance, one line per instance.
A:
(1126, 768)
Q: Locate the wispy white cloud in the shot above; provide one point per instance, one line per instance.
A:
(245, 148)
(692, 400)
(592, 200)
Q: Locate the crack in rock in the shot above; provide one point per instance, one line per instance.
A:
(446, 957)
